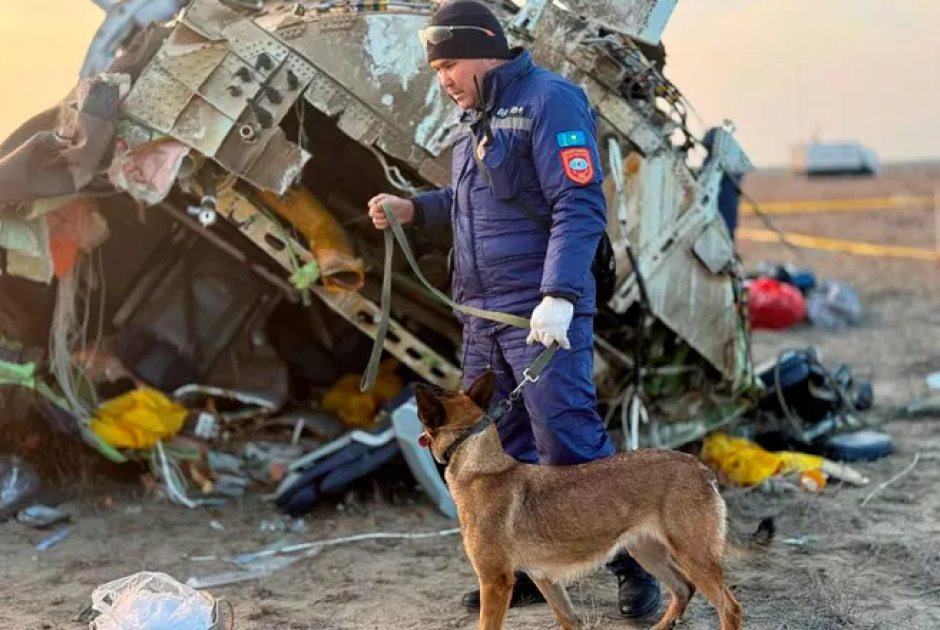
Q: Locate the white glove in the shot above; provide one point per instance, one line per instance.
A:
(550, 321)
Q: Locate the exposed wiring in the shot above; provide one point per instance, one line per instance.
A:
(393, 174)
(643, 71)
(768, 223)
(69, 333)
(632, 403)
(252, 557)
(174, 479)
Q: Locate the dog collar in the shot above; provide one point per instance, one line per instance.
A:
(494, 415)
(497, 411)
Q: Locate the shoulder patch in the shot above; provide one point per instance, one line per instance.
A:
(575, 138)
(578, 164)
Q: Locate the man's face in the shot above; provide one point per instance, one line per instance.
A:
(456, 77)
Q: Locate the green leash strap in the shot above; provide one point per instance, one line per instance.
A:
(397, 233)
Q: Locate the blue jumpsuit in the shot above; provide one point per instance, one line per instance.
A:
(543, 150)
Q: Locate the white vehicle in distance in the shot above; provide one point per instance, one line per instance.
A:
(820, 159)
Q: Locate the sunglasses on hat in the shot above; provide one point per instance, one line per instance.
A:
(434, 35)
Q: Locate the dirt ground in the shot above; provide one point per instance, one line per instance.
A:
(871, 567)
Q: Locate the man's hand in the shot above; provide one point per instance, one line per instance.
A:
(550, 322)
(404, 210)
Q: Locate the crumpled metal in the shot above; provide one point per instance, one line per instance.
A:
(147, 173)
(60, 150)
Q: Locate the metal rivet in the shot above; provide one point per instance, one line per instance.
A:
(265, 119)
(264, 62)
(273, 95)
(293, 81)
(248, 133)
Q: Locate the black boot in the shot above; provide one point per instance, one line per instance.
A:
(639, 594)
(524, 592)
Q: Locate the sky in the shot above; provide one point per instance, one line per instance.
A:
(781, 70)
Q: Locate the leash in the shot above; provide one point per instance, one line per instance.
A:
(397, 233)
(495, 413)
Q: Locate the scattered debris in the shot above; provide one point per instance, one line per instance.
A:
(833, 305)
(741, 462)
(245, 285)
(887, 483)
(782, 296)
(18, 482)
(53, 540)
(283, 524)
(808, 403)
(774, 305)
(933, 380)
(258, 570)
(152, 601)
(860, 446)
(41, 516)
(920, 408)
(289, 549)
(138, 419)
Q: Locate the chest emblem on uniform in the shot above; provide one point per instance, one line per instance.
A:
(515, 110)
(578, 164)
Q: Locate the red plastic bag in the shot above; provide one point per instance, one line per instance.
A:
(774, 305)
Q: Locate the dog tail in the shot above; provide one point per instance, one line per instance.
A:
(756, 542)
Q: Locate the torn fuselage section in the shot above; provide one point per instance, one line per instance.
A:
(262, 133)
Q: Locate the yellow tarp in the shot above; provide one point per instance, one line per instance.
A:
(138, 419)
(339, 267)
(746, 464)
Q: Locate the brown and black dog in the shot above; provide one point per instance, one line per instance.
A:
(559, 523)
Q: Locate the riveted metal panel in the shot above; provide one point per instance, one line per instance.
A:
(202, 126)
(190, 57)
(156, 99)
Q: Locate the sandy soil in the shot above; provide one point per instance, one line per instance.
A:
(871, 567)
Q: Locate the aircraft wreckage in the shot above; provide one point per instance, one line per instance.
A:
(225, 152)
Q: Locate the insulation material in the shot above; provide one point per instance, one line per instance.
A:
(339, 267)
(74, 228)
(138, 419)
(147, 173)
(27, 248)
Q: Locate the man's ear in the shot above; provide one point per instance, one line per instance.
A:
(481, 392)
(430, 409)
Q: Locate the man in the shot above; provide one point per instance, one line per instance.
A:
(534, 134)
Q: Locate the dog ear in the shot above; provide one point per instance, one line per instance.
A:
(481, 392)
(430, 409)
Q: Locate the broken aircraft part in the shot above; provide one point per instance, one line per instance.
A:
(338, 98)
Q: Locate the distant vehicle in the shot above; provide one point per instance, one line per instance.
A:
(819, 159)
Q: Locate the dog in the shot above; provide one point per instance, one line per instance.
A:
(559, 523)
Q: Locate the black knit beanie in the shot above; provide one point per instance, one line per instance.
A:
(468, 43)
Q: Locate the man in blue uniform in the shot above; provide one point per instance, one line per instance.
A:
(528, 140)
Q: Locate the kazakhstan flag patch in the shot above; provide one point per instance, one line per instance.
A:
(575, 138)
